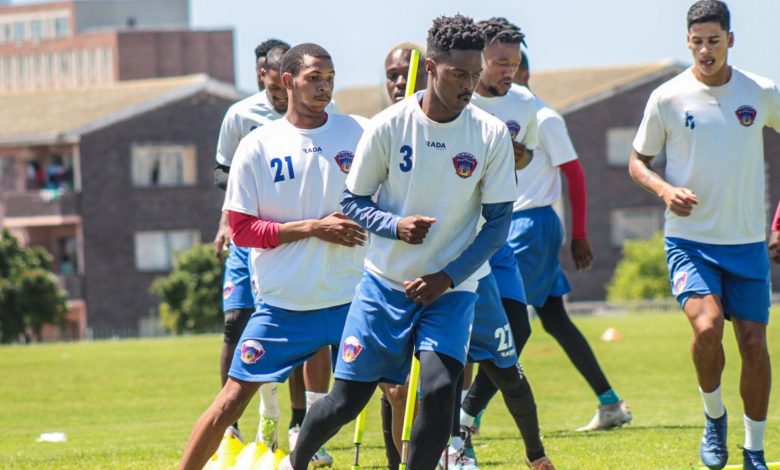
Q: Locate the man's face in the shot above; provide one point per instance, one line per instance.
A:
(259, 65)
(312, 87)
(455, 77)
(274, 89)
(709, 45)
(500, 62)
(396, 70)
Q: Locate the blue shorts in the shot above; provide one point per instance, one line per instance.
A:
(738, 274)
(237, 285)
(491, 336)
(277, 340)
(503, 265)
(535, 237)
(384, 327)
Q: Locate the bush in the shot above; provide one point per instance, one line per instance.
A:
(191, 295)
(642, 273)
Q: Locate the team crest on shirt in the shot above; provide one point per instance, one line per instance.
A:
(344, 160)
(679, 282)
(227, 289)
(465, 164)
(251, 351)
(514, 128)
(351, 349)
(746, 115)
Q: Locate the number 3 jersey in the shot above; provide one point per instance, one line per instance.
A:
(417, 166)
(283, 174)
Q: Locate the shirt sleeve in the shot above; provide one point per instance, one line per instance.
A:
(554, 139)
(241, 194)
(498, 182)
(369, 168)
(651, 137)
(229, 138)
(531, 138)
(776, 221)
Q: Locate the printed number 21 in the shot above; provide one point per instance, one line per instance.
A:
(277, 164)
(406, 165)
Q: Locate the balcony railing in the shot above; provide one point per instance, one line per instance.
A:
(44, 202)
(73, 284)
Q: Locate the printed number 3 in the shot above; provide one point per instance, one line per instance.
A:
(406, 151)
(277, 164)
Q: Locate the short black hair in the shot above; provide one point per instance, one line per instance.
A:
(292, 59)
(524, 65)
(265, 46)
(273, 60)
(705, 11)
(499, 29)
(453, 32)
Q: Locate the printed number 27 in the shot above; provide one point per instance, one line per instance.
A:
(406, 165)
(277, 165)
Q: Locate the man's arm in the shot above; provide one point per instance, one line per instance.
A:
(679, 200)
(253, 232)
(363, 210)
(774, 237)
(578, 201)
(221, 173)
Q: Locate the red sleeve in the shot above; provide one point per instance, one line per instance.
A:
(252, 232)
(578, 199)
(776, 221)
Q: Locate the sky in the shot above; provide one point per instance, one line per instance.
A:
(560, 33)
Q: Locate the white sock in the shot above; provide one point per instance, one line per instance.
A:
(466, 419)
(463, 394)
(456, 444)
(269, 403)
(713, 403)
(312, 397)
(754, 434)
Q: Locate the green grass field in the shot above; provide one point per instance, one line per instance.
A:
(131, 404)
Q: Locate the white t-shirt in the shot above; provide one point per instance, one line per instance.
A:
(284, 174)
(539, 184)
(240, 119)
(444, 170)
(715, 148)
(518, 111)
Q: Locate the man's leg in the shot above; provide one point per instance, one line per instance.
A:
(396, 397)
(755, 380)
(392, 452)
(297, 405)
(224, 410)
(327, 416)
(316, 377)
(235, 322)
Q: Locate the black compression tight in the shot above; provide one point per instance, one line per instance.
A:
(393, 458)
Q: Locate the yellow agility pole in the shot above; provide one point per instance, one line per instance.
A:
(358, 438)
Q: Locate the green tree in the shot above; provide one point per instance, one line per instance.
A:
(641, 274)
(29, 294)
(191, 295)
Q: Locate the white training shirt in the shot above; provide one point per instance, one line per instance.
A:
(539, 184)
(240, 119)
(518, 111)
(417, 166)
(715, 148)
(284, 174)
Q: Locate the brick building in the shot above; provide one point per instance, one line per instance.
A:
(80, 43)
(112, 180)
(603, 108)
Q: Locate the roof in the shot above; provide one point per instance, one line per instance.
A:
(565, 90)
(53, 116)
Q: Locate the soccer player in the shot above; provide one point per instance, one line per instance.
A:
(710, 121)
(261, 53)
(774, 238)
(435, 163)
(282, 198)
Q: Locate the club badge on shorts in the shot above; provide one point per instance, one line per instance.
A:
(465, 164)
(344, 160)
(351, 349)
(746, 115)
(251, 351)
(227, 290)
(680, 281)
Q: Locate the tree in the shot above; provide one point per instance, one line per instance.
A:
(29, 294)
(191, 295)
(642, 273)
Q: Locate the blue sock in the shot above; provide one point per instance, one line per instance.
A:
(610, 397)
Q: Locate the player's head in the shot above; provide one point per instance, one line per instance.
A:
(501, 56)
(397, 64)
(523, 74)
(308, 74)
(454, 60)
(261, 51)
(709, 38)
(271, 76)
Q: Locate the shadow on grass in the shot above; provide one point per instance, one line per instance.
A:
(607, 433)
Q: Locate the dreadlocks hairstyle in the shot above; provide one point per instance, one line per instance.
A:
(292, 59)
(705, 11)
(273, 60)
(498, 29)
(453, 32)
(266, 46)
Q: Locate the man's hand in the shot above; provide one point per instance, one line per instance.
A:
(337, 228)
(413, 229)
(425, 290)
(222, 240)
(523, 156)
(774, 246)
(581, 254)
(680, 200)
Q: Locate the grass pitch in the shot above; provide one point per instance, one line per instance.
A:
(131, 404)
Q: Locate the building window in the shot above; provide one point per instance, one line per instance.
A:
(62, 27)
(163, 165)
(36, 30)
(19, 32)
(619, 144)
(155, 250)
(631, 223)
